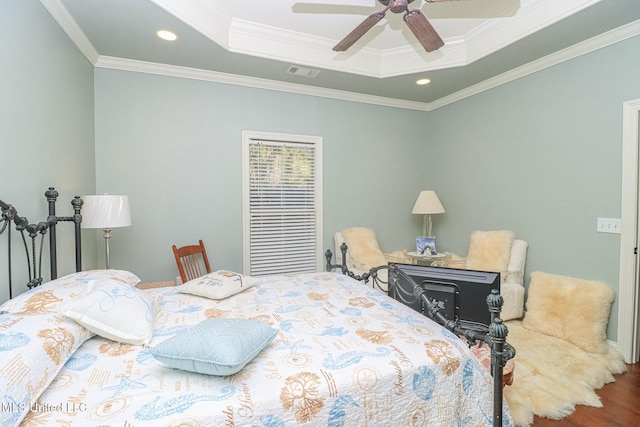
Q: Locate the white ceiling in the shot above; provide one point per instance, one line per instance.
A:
(254, 42)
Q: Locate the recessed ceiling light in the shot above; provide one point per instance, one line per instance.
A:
(167, 35)
(423, 82)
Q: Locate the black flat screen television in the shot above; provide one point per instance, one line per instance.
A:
(461, 294)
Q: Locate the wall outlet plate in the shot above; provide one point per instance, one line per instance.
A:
(608, 225)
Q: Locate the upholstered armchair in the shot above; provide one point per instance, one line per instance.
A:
(501, 252)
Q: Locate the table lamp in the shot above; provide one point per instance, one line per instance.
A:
(106, 212)
(427, 204)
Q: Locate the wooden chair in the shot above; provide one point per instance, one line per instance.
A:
(192, 261)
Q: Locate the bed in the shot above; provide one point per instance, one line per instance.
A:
(304, 349)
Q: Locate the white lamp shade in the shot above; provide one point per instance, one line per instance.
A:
(428, 203)
(105, 211)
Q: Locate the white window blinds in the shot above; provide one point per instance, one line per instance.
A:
(282, 207)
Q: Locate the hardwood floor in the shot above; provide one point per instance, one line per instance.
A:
(621, 405)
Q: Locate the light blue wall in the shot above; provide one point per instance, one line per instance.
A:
(174, 146)
(541, 156)
(46, 128)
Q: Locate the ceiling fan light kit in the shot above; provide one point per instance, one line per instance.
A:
(397, 6)
(415, 19)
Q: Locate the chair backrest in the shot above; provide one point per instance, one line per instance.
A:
(363, 251)
(487, 249)
(192, 261)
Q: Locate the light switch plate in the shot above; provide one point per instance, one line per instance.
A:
(608, 225)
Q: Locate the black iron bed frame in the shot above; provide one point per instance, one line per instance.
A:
(496, 338)
(34, 263)
(501, 351)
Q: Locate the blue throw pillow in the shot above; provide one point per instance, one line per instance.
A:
(215, 346)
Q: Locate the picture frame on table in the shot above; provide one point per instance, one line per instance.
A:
(426, 245)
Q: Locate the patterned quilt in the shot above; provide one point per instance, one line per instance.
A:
(345, 355)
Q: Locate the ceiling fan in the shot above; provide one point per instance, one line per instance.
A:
(415, 19)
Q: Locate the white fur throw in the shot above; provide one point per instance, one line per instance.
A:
(489, 250)
(552, 376)
(574, 310)
(363, 246)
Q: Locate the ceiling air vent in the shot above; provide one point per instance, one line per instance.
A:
(301, 71)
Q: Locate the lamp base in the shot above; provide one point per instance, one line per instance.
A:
(107, 236)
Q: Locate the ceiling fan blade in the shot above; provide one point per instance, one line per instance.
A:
(423, 30)
(359, 31)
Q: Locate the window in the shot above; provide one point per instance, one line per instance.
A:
(282, 203)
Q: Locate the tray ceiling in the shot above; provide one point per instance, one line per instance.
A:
(255, 42)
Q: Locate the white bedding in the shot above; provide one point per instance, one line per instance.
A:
(345, 355)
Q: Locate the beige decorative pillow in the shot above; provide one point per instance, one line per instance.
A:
(218, 284)
(574, 310)
(363, 246)
(489, 250)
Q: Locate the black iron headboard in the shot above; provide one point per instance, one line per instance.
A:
(9, 214)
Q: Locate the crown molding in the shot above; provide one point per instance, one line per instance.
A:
(614, 36)
(251, 38)
(60, 14)
(255, 82)
(71, 28)
(598, 42)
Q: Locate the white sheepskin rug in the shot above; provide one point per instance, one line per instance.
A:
(562, 354)
(552, 376)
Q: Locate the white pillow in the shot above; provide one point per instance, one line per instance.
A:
(89, 275)
(48, 296)
(33, 349)
(115, 311)
(217, 285)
